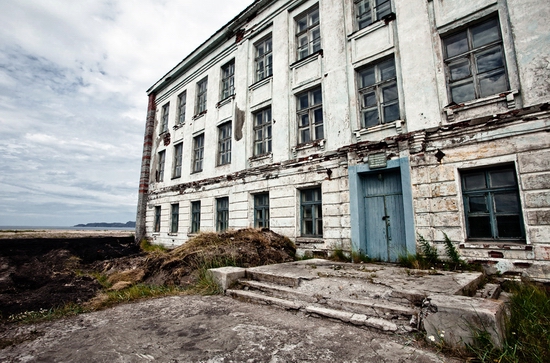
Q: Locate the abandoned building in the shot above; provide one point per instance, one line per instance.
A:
(361, 125)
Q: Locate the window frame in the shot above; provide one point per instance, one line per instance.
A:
(182, 104)
(264, 130)
(224, 143)
(165, 117)
(161, 166)
(195, 216)
(201, 100)
(174, 217)
(222, 214)
(227, 88)
(198, 153)
(178, 160)
(310, 111)
(378, 89)
(263, 61)
(470, 58)
(261, 206)
(315, 219)
(156, 222)
(488, 194)
(312, 44)
(376, 10)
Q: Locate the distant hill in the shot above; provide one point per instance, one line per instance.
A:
(128, 224)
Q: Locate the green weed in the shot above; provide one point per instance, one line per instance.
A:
(29, 317)
(528, 329)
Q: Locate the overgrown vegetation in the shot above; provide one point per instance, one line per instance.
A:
(528, 329)
(429, 258)
(163, 272)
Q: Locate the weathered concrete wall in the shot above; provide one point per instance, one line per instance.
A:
(507, 127)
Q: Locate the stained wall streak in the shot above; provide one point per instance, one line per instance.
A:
(145, 168)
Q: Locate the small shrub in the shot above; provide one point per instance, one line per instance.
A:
(451, 251)
(429, 252)
(339, 255)
(360, 257)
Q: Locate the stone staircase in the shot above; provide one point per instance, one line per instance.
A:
(379, 296)
(381, 313)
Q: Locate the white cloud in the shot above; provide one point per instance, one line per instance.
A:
(73, 76)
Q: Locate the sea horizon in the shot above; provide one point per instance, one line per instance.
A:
(72, 228)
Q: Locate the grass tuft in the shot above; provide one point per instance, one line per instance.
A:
(528, 329)
(147, 246)
(30, 317)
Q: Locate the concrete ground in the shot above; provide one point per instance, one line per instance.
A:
(206, 329)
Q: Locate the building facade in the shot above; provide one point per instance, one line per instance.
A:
(361, 125)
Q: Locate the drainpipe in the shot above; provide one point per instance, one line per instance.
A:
(145, 169)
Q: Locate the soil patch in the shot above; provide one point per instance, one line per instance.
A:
(43, 273)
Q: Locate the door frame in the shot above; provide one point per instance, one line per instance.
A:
(357, 206)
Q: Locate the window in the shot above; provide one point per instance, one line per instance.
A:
(198, 152)
(491, 203)
(224, 144)
(310, 116)
(201, 96)
(164, 119)
(228, 80)
(264, 59)
(474, 61)
(308, 33)
(222, 214)
(160, 166)
(261, 210)
(378, 92)
(195, 216)
(182, 101)
(175, 218)
(369, 11)
(262, 132)
(312, 215)
(156, 227)
(178, 152)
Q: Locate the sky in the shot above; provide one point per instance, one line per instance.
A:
(73, 81)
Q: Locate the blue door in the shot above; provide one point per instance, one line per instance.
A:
(385, 221)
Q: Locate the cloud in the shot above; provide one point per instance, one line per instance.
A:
(73, 76)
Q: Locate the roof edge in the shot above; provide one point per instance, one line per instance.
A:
(220, 36)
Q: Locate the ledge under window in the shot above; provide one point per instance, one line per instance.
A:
(260, 83)
(199, 115)
(312, 239)
(508, 96)
(320, 144)
(373, 26)
(310, 58)
(225, 101)
(519, 245)
(361, 133)
(178, 126)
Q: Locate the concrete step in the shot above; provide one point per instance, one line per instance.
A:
(359, 305)
(316, 310)
(489, 291)
(292, 281)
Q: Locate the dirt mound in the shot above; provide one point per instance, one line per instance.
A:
(244, 247)
(43, 273)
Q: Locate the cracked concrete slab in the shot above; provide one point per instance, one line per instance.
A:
(206, 329)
